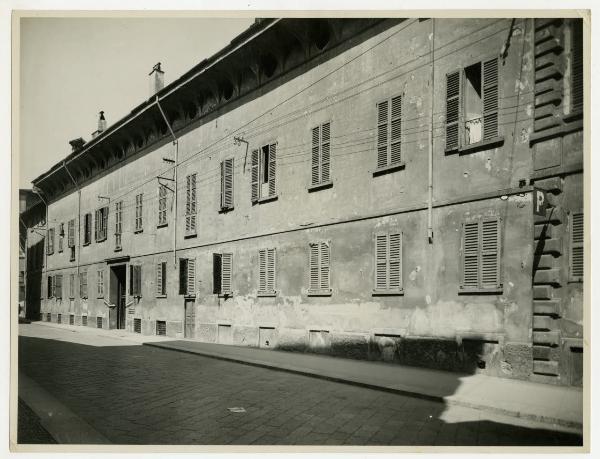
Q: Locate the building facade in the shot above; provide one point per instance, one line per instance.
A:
(357, 187)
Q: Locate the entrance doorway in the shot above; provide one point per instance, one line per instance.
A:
(117, 296)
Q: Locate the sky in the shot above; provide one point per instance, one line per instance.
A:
(71, 68)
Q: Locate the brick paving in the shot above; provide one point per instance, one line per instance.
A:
(142, 395)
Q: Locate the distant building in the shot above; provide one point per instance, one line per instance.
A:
(358, 187)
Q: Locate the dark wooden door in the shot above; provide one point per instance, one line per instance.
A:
(190, 319)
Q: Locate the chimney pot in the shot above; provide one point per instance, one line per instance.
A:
(157, 79)
(77, 143)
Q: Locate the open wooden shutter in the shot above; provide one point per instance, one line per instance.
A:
(193, 203)
(315, 157)
(58, 287)
(395, 261)
(104, 222)
(396, 131)
(188, 202)
(191, 276)
(470, 271)
(452, 109)
(71, 233)
(262, 271)
(254, 176)
(313, 261)
(271, 262)
(576, 65)
(272, 169)
(490, 99)
(381, 246)
(72, 285)
(490, 254)
(227, 184)
(226, 272)
(325, 152)
(159, 279)
(138, 278)
(324, 266)
(97, 223)
(576, 243)
(382, 133)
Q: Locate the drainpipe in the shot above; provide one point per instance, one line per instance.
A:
(78, 216)
(176, 143)
(45, 270)
(430, 156)
(25, 270)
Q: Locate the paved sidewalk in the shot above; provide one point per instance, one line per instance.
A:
(546, 403)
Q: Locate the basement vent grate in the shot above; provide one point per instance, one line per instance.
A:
(71, 319)
(161, 328)
(84, 321)
(98, 322)
(59, 319)
(137, 325)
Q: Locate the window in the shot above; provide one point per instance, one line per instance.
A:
(50, 244)
(135, 280)
(101, 224)
(71, 239)
(576, 65)
(161, 279)
(162, 205)
(388, 263)
(263, 185)
(389, 133)
(72, 286)
(319, 270)
(187, 276)
(138, 212)
(227, 184)
(83, 293)
(61, 236)
(190, 205)
(222, 273)
(87, 229)
(320, 155)
(481, 255)
(58, 288)
(472, 105)
(118, 224)
(576, 247)
(50, 281)
(266, 272)
(100, 283)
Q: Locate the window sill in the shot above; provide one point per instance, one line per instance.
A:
(388, 169)
(86, 244)
(327, 292)
(224, 210)
(266, 199)
(388, 292)
(320, 186)
(118, 249)
(162, 225)
(266, 294)
(225, 295)
(137, 231)
(190, 235)
(482, 145)
(72, 259)
(187, 296)
(161, 296)
(480, 291)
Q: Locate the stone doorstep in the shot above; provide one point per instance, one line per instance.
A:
(542, 414)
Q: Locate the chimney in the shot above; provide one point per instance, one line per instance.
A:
(77, 143)
(101, 125)
(157, 79)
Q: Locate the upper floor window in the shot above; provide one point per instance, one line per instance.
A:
(480, 255)
(266, 272)
(101, 224)
(118, 224)
(389, 134)
(320, 155)
(83, 292)
(222, 273)
(161, 279)
(50, 243)
(72, 285)
(227, 167)
(58, 286)
(263, 186)
(187, 276)
(190, 205)
(388, 263)
(138, 212)
(162, 205)
(71, 238)
(61, 236)
(87, 229)
(472, 105)
(319, 269)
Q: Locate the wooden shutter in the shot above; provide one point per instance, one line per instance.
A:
(490, 254)
(452, 109)
(138, 276)
(216, 273)
(395, 261)
(262, 271)
(191, 276)
(382, 133)
(325, 152)
(272, 169)
(58, 286)
(271, 261)
(193, 202)
(381, 247)
(104, 222)
(49, 285)
(576, 66)
(227, 183)
(72, 285)
(97, 225)
(71, 233)
(324, 266)
(100, 284)
(576, 246)
(470, 271)
(490, 99)
(182, 276)
(162, 204)
(396, 131)
(315, 157)
(226, 272)
(159, 279)
(313, 281)
(190, 204)
(255, 176)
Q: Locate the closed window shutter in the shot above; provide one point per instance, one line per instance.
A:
(97, 226)
(100, 283)
(325, 152)
(58, 292)
(71, 233)
(315, 157)
(162, 205)
(381, 247)
(313, 282)
(272, 169)
(452, 109)
(104, 222)
(470, 272)
(382, 134)
(395, 261)
(576, 261)
(490, 253)
(72, 286)
(159, 278)
(396, 131)
(190, 204)
(262, 271)
(227, 184)
(324, 266)
(271, 261)
(191, 276)
(193, 203)
(226, 272)
(576, 65)
(490, 99)
(254, 176)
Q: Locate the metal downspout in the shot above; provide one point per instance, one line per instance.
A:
(430, 156)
